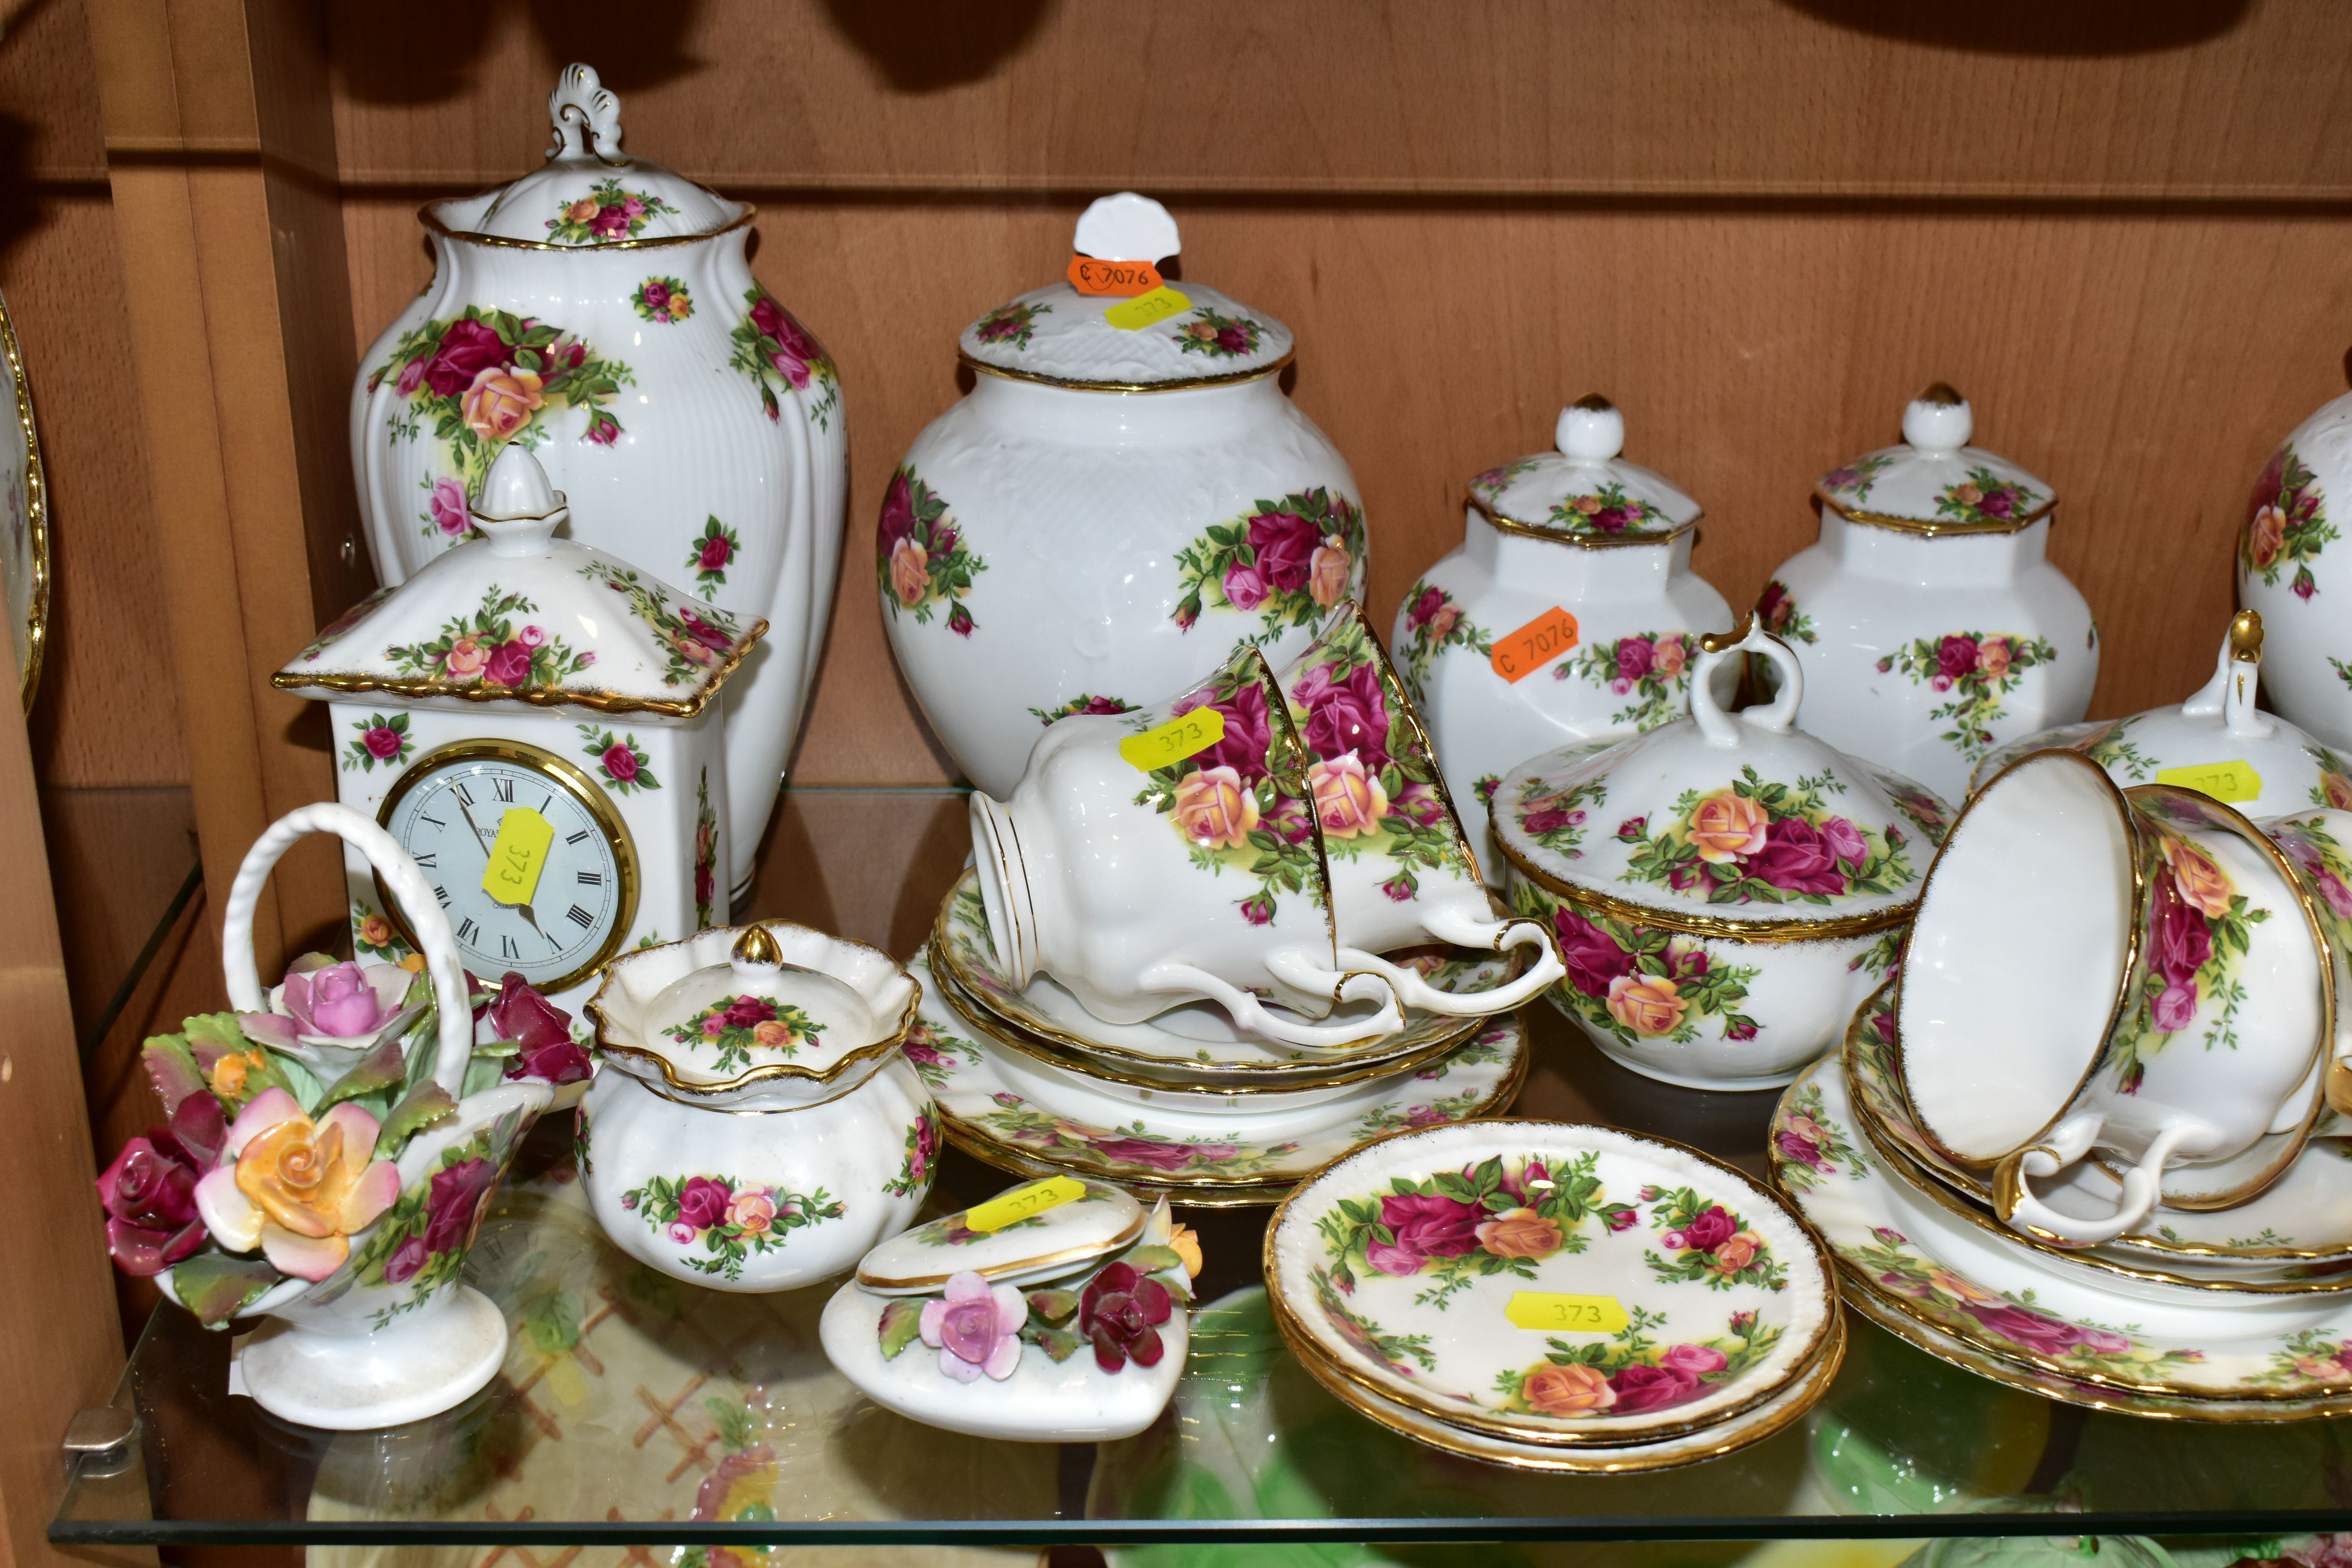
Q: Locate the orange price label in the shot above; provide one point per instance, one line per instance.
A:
(1089, 276)
(1519, 654)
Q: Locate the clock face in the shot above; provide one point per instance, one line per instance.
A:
(529, 860)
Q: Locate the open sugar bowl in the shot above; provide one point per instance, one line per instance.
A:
(709, 1043)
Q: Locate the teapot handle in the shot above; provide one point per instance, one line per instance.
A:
(409, 890)
(1719, 728)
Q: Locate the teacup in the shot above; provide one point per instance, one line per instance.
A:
(1152, 859)
(2140, 973)
(1402, 872)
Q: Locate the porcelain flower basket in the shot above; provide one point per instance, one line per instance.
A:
(601, 311)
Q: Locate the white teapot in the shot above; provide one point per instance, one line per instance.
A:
(1570, 611)
(1124, 493)
(1931, 626)
(600, 312)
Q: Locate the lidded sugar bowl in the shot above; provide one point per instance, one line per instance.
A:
(1930, 623)
(1125, 493)
(1569, 611)
(600, 311)
(756, 1126)
(1725, 890)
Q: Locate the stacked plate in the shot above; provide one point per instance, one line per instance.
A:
(1554, 1297)
(2239, 1314)
(1186, 1104)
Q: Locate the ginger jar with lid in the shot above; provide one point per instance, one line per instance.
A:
(2286, 571)
(1569, 611)
(1124, 494)
(1930, 623)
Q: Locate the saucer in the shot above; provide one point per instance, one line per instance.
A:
(1197, 1037)
(2300, 1228)
(2004, 1300)
(1549, 1283)
(1195, 1157)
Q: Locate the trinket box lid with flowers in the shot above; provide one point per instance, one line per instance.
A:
(1934, 481)
(1057, 335)
(1585, 491)
(1094, 1219)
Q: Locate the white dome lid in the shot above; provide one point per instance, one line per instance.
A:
(1585, 491)
(1935, 482)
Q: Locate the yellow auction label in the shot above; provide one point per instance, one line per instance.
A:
(1145, 310)
(2222, 781)
(1176, 740)
(517, 855)
(1570, 1314)
(1021, 1203)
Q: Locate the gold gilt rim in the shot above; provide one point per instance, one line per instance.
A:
(1741, 1434)
(2123, 982)
(37, 515)
(1070, 1254)
(2153, 1407)
(1523, 1130)
(1926, 529)
(432, 223)
(890, 1041)
(1584, 541)
(1190, 383)
(1085, 1061)
(543, 697)
(1686, 924)
(1209, 1193)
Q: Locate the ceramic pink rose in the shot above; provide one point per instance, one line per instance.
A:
(975, 1328)
(344, 1000)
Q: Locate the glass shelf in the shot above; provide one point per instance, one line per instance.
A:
(635, 1411)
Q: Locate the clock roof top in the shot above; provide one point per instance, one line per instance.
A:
(518, 615)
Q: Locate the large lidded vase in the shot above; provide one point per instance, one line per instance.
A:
(600, 312)
(2286, 572)
(1931, 626)
(1125, 492)
(1570, 611)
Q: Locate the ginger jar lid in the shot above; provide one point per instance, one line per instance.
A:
(792, 1014)
(1585, 492)
(1113, 342)
(1036, 1230)
(516, 615)
(1740, 821)
(589, 194)
(1935, 482)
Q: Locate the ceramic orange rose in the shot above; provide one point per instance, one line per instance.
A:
(1647, 1004)
(774, 1034)
(1571, 1390)
(1725, 827)
(910, 576)
(1327, 571)
(466, 658)
(1668, 656)
(295, 1188)
(1519, 1233)
(1993, 657)
(1737, 1253)
(2266, 536)
(1214, 809)
(1348, 799)
(500, 402)
(2203, 885)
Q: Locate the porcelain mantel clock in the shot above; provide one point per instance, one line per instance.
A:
(533, 720)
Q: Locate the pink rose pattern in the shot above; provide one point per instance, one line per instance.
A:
(662, 300)
(1083, 703)
(1631, 983)
(1010, 323)
(709, 553)
(488, 647)
(921, 1162)
(377, 738)
(422, 1240)
(1494, 1217)
(781, 357)
(730, 1221)
(2286, 525)
(1558, 818)
(1855, 480)
(1609, 513)
(1651, 667)
(2197, 937)
(1985, 498)
(1976, 672)
(485, 378)
(1761, 842)
(1777, 611)
(1131, 1154)
(696, 642)
(1806, 1145)
(921, 557)
(705, 854)
(1432, 623)
(1290, 563)
(1218, 336)
(620, 760)
(605, 214)
(735, 1026)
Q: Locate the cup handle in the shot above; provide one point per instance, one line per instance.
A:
(1250, 1014)
(2014, 1200)
(1456, 925)
(409, 890)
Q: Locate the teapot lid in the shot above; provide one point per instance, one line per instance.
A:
(1935, 482)
(1585, 492)
(1096, 341)
(589, 194)
(773, 1006)
(1740, 821)
(516, 614)
(1036, 1230)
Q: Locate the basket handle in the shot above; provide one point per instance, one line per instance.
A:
(409, 890)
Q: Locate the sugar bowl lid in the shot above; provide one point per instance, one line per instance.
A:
(772, 1012)
(589, 194)
(1179, 334)
(1585, 492)
(1740, 821)
(1037, 1230)
(1935, 482)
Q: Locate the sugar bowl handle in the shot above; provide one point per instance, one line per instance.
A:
(1720, 727)
(409, 890)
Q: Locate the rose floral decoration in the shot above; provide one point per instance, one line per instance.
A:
(920, 554)
(1637, 983)
(1976, 672)
(296, 1188)
(1494, 1217)
(2198, 928)
(484, 378)
(1434, 622)
(1759, 841)
(1289, 563)
(772, 348)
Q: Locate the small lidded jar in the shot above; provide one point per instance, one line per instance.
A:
(707, 1043)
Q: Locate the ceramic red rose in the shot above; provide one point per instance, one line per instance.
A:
(1284, 545)
(1591, 954)
(621, 762)
(1641, 1388)
(509, 664)
(383, 742)
(1245, 587)
(454, 1203)
(898, 519)
(1710, 1230)
(1425, 1225)
(149, 1194)
(1248, 733)
(1955, 657)
(1797, 859)
(702, 1203)
(1348, 714)
(469, 347)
